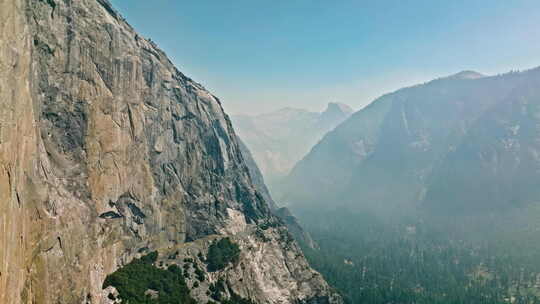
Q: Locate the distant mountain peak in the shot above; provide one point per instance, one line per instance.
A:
(467, 74)
(338, 107)
(335, 112)
(281, 138)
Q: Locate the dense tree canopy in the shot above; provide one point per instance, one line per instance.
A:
(370, 261)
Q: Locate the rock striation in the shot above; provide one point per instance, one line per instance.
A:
(108, 152)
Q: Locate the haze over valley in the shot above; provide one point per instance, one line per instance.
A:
(425, 195)
(278, 140)
(283, 152)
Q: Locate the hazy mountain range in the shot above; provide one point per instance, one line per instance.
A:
(279, 139)
(429, 195)
(460, 144)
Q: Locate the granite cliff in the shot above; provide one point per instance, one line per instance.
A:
(108, 153)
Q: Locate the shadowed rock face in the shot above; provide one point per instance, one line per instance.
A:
(107, 152)
(462, 144)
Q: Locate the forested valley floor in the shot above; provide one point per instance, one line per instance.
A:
(478, 259)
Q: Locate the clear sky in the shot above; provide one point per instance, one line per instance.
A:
(259, 55)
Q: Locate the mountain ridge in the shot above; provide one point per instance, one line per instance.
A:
(390, 148)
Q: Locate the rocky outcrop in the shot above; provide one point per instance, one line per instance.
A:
(278, 140)
(460, 145)
(107, 151)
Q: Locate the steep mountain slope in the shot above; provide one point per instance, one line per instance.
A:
(280, 139)
(283, 213)
(425, 195)
(107, 153)
(459, 142)
(497, 165)
(256, 175)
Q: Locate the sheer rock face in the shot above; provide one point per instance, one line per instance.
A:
(107, 151)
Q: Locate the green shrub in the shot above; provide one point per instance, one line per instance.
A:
(150, 258)
(135, 278)
(221, 253)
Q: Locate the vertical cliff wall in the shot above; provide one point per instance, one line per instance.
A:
(19, 146)
(108, 152)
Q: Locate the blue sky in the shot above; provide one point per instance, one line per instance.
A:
(259, 55)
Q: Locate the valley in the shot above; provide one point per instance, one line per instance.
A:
(429, 194)
(332, 156)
